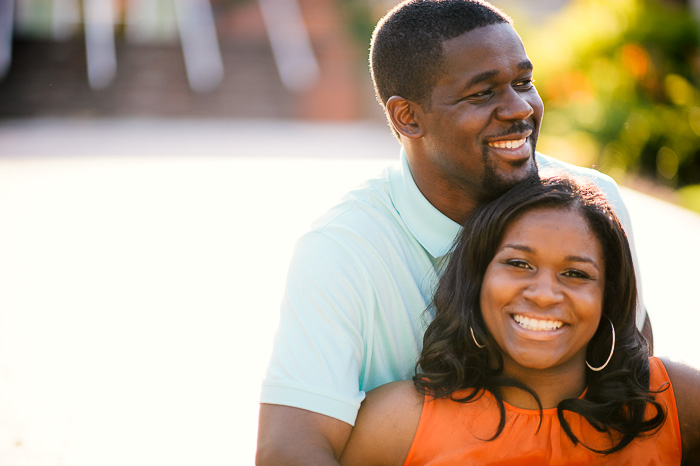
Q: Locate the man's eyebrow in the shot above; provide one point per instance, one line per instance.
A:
(481, 77)
(525, 65)
(486, 75)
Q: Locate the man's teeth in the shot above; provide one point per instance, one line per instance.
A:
(537, 324)
(512, 144)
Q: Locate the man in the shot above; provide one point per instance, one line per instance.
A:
(457, 89)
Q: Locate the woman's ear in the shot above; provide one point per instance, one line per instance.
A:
(404, 116)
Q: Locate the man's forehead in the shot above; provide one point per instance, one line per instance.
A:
(492, 33)
(486, 46)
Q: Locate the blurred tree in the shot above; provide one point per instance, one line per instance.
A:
(620, 80)
(620, 83)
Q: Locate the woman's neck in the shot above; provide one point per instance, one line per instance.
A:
(551, 385)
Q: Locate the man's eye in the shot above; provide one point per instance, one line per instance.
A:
(479, 95)
(525, 84)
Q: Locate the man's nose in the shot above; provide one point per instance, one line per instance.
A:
(514, 106)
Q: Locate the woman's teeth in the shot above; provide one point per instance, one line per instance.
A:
(537, 324)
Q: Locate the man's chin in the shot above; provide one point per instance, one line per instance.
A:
(495, 185)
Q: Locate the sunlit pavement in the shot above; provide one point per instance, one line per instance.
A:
(142, 264)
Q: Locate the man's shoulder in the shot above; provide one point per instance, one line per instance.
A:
(364, 231)
(607, 185)
(549, 164)
(367, 209)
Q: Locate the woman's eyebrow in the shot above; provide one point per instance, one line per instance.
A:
(570, 258)
(584, 259)
(519, 247)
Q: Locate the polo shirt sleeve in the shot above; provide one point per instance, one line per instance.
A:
(319, 352)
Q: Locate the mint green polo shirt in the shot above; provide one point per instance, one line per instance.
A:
(360, 281)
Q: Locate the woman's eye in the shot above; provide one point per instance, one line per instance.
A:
(574, 273)
(519, 263)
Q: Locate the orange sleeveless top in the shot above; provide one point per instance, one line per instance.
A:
(452, 433)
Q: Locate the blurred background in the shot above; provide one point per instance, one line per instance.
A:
(158, 159)
(619, 79)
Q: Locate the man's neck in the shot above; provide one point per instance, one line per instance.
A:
(453, 203)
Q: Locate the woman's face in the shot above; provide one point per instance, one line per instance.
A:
(542, 294)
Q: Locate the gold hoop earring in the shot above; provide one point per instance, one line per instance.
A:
(474, 338)
(612, 349)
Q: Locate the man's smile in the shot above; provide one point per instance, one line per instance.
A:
(508, 144)
(513, 147)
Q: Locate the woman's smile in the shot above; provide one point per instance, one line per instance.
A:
(538, 325)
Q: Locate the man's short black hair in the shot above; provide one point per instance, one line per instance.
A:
(406, 52)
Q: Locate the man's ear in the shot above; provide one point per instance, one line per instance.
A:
(404, 116)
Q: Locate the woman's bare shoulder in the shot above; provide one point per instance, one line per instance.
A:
(385, 426)
(402, 392)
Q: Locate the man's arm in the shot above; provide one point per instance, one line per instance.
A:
(293, 436)
(686, 388)
(311, 394)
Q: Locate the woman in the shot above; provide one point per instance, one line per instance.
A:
(533, 356)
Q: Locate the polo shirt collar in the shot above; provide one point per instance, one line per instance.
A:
(434, 231)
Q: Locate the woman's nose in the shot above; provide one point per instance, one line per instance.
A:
(544, 289)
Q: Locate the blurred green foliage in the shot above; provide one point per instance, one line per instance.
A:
(362, 16)
(620, 80)
(620, 84)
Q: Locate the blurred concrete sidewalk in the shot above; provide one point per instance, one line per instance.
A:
(143, 261)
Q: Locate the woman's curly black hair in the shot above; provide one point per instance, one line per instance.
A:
(617, 397)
